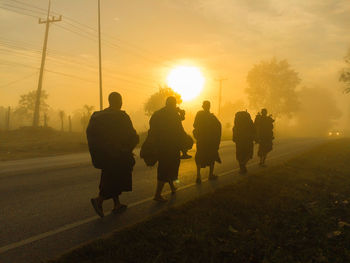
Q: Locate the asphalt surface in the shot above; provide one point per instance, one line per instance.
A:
(45, 202)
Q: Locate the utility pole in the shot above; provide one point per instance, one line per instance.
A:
(99, 53)
(220, 95)
(42, 67)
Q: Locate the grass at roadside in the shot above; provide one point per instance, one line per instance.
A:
(295, 212)
(29, 143)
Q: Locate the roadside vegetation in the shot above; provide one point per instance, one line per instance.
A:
(296, 212)
(31, 143)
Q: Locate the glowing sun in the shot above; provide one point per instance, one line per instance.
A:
(187, 81)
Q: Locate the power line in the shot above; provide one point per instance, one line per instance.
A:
(81, 31)
(18, 12)
(47, 23)
(76, 32)
(114, 76)
(18, 80)
(129, 82)
(55, 57)
(25, 9)
(26, 4)
(81, 27)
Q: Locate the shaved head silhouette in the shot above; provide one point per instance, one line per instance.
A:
(115, 100)
(171, 102)
(206, 105)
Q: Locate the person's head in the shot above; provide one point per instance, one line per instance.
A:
(115, 100)
(264, 112)
(171, 102)
(206, 105)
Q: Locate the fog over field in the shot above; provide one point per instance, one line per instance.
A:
(243, 42)
(174, 131)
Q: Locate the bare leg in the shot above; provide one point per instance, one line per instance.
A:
(211, 172)
(118, 207)
(243, 168)
(199, 179)
(117, 203)
(264, 159)
(159, 189)
(100, 200)
(172, 187)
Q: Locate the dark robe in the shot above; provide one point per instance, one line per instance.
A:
(264, 134)
(169, 137)
(207, 131)
(243, 135)
(112, 138)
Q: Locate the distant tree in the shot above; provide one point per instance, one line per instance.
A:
(26, 104)
(61, 113)
(8, 119)
(272, 85)
(345, 74)
(318, 112)
(157, 100)
(87, 112)
(46, 119)
(70, 127)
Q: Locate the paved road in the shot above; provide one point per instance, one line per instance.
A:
(45, 208)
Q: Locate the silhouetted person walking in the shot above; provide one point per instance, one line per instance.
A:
(189, 143)
(207, 132)
(264, 134)
(243, 135)
(112, 138)
(168, 137)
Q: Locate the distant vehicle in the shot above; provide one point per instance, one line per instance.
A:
(334, 134)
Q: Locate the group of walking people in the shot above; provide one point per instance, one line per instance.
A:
(112, 139)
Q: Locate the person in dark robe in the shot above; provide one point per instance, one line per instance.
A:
(207, 132)
(112, 139)
(168, 135)
(186, 147)
(264, 135)
(243, 135)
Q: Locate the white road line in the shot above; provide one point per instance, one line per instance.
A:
(90, 219)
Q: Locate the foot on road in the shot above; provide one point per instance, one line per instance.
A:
(243, 171)
(213, 177)
(97, 207)
(119, 209)
(160, 199)
(198, 181)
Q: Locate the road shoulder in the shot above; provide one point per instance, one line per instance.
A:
(295, 211)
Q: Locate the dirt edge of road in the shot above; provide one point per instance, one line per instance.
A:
(295, 212)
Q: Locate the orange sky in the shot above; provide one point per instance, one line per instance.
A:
(144, 39)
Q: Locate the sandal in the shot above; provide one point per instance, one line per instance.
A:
(120, 209)
(97, 207)
(160, 199)
(213, 177)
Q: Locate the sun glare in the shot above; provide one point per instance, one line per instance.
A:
(187, 81)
